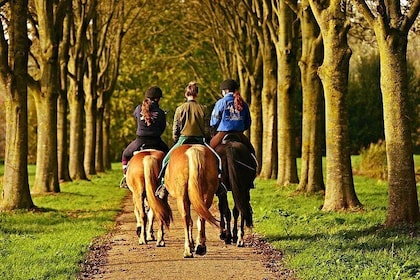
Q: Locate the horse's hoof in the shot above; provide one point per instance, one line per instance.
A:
(228, 241)
(201, 250)
(188, 255)
(160, 243)
(240, 244)
(222, 236)
(142, 242)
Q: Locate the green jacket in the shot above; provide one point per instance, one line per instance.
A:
(191, 119)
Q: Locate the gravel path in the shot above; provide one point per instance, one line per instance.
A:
(118, 255)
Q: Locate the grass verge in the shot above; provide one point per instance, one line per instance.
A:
(321, 245)
(50, 243)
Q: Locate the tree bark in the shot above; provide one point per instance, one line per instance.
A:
(339, 193)
(391, 30)
(311, 178)
(63, 106)
(286, 87)
(13, 75)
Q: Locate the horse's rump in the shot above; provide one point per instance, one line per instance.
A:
(142, 176)
(239, 172)
(192, 174)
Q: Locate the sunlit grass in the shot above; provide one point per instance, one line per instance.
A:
(321, 245)
(52, 242)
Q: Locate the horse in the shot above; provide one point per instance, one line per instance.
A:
(192, 179)
(141, 178)
(239, 171)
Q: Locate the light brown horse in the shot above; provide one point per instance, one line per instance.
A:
(191, 178)
(142, 175)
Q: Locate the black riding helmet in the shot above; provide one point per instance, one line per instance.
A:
(229, 84)
(154, 92)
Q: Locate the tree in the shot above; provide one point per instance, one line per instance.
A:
(331, 18)
(311, 178)
(285, 40)
(391, 29)
(13, 78)
(82, 14)
(261, 14)
(49, 19)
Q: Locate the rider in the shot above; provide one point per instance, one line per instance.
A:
(151, 123)
(231, 115)
(191, 124)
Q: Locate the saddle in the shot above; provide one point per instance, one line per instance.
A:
(230, 137)
(193, 140)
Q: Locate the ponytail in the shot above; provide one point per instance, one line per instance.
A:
(145, 111)
(238, 101)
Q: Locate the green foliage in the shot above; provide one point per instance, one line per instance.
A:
(335, 245)
(365, 104)
(50, 243)
(165, 48)
(373, 162)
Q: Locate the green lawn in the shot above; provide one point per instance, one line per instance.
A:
(52, 242)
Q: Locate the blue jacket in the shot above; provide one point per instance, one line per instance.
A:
(226, 118)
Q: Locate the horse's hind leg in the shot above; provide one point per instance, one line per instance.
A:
(150, 219)
(201, 248)
(141, 218)
(225, 219)
(240, 242)
(160, 241)
(184, 210)
(235, 224)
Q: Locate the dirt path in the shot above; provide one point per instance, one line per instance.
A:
(118, 255)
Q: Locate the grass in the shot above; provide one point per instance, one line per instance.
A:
(52, 242)
(321, 245)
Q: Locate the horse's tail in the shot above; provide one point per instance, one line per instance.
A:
(160, 208)
(195, 181)
(240, 191)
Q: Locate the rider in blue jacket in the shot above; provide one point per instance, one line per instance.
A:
(230, 115)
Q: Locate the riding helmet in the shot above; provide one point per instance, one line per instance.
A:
(229, 84)
(154, 92)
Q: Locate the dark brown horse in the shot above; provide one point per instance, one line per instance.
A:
(191, 178)
(239, 172)
(142, 175)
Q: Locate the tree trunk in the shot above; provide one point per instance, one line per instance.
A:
(99, 157)
(76, 157)
(46, 176)
(340, 193)
(15, 193)
(391, 30)
(268, 98)
(286, 75)
(311, 178)
(90, 129)
(63, 106)
(403, 205)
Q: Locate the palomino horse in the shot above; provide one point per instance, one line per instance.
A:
(239, 172)
(191, 178)
(142, 175)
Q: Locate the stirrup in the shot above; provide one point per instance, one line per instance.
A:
(161, 192)
(123, 183)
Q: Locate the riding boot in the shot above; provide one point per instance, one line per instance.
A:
(123, 182)
(161, 191)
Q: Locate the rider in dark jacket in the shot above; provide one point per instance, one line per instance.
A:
(151, 123)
